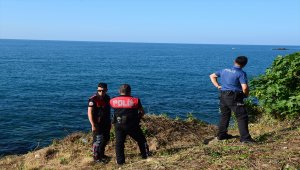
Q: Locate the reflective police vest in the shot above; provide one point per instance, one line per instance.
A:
(101, 109)
(95, 101)
(124, 102)
(126, 110)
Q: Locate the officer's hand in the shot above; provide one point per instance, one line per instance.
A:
(141, 115)
(93, 128)
(219, 87)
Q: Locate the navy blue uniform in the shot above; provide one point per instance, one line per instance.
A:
(231, 79)
(231, 100)
(102, 120)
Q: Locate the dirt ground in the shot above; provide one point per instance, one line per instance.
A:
(175, 144)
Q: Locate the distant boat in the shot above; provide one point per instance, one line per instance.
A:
(279, 49)
(233, 48)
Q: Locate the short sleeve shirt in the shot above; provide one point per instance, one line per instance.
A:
(231, 79)
(100, 108)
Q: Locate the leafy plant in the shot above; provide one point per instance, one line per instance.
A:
(278, 90)
(190, 117)
(63, 161)
(164, 115)
(177, 118)
(112, 134)
(145, 130)
(253, 109)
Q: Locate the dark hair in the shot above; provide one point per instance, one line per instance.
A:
(102, 85)
(241, 60)
(125, 89)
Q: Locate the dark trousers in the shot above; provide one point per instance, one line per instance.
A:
(229, 103)
(100, 140)
(137, 134)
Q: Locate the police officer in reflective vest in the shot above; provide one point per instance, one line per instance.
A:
(128, 111)
(99, 117)
(234, 88)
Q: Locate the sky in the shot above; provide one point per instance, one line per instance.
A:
(260, 22)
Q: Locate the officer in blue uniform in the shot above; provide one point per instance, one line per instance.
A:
(234, 88)
(99, 117)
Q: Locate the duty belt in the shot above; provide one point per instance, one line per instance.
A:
(230, 92)
(227, 92)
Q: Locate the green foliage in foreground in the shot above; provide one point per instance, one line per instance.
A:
(278, 90)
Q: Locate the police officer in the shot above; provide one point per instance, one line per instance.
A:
(234, 88)
(99, 117)
(128, 111)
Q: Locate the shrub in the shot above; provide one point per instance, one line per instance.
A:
(254, 111)
(278, 90)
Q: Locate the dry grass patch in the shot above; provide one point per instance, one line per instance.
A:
(175, 144)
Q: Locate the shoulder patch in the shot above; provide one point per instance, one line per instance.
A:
(92, 97)
(91, 104)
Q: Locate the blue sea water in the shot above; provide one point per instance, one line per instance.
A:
(45, 85)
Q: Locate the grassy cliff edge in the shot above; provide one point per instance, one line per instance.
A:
(175, 144)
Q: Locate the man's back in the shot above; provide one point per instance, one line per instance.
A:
(126, 107)
(231, 79)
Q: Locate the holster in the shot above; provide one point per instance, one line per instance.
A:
(120, 119)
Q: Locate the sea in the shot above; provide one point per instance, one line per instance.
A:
(45, 85)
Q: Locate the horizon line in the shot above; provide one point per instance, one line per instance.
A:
(136, 42)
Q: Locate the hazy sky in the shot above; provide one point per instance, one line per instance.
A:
(171, 21)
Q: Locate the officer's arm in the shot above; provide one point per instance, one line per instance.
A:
(141, 112)
(91, 118)
(245, 89)
(214, 80)
(141, 109)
